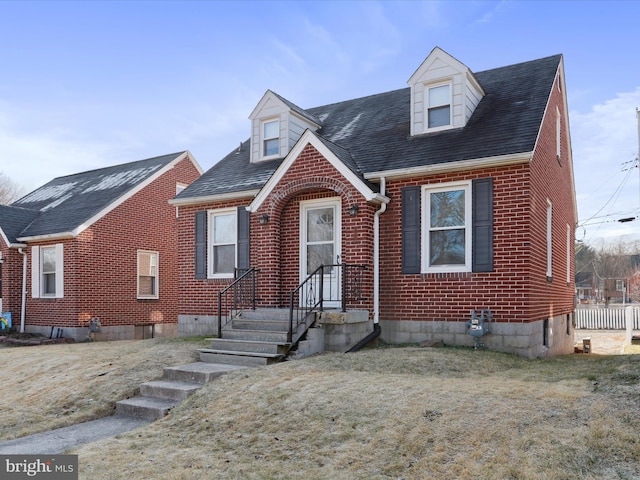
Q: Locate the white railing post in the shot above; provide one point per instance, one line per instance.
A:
(629, 318)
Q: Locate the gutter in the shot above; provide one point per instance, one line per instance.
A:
(376, 274)
(23, 309)
(185, 202)
(461, 165)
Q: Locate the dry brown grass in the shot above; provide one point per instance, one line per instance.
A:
(384, 413)
(53, 386)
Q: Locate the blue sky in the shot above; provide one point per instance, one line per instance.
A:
(89, 84)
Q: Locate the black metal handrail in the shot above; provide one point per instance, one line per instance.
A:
(238, 295)
(311, 295)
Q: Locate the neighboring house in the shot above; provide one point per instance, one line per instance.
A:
(98, 244)
(586, 287)
(614, 290)
(455, 194)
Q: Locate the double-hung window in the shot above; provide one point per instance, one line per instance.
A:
(47, 272)
(270, 138)
(549, 240)
(447, 228)
(222, 242)
(439, 106)
(48, 269)
(147, 274)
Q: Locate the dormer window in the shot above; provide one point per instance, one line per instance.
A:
(444, 94)
(270, 138)
(439, 109)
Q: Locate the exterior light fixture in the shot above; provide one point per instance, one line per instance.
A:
(353, 210)
(264, 219)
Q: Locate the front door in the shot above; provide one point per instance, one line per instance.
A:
(320, 245)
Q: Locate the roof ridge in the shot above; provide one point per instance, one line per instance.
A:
(117, 165)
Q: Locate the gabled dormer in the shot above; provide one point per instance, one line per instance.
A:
(444, 94)
(276, 125)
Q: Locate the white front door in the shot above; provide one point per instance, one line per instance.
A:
(320, 245)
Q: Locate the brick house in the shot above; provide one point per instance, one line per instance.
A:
(454, 194)
(99, 244)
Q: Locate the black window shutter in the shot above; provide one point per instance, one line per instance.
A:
(201, 244)
(243, 238)
(482, 225)
(411, 230)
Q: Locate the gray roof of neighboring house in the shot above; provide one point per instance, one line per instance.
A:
(13, 220)
(373, 133)
(66, 203)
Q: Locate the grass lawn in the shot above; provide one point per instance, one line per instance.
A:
(382, 413)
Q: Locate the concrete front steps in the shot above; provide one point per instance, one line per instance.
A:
(158, 397)
(254, 338)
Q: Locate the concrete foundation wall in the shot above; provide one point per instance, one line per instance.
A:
(197, 325)
(343, 330)
(525, 339)
(121, 332)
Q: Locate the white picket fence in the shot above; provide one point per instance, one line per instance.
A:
(601, 318)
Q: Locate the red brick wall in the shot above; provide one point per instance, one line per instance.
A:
(11, 282)
(552, 178)
(198, 297)
(517, 290)
(275, 246)
(100, 265)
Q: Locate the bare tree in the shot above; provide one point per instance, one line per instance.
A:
(10, 191)
(613, 263)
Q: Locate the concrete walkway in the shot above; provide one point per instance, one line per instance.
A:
(63, 439)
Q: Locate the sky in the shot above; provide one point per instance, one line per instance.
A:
(84, 85)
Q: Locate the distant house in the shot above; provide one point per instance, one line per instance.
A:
(614, 290)
(98, 244)
(586, 286)
(454, 194)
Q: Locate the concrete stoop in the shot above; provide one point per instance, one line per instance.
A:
(158, 397)
(253, 338)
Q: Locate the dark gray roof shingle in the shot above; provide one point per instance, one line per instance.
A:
(65, 203)
(13, 220)
(373, 132)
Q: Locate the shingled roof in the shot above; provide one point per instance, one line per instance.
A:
(373, 132)
(65, 204)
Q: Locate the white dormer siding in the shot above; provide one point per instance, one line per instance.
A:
(441, 76)
(291, 125)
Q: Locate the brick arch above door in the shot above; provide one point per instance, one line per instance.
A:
(282, 194)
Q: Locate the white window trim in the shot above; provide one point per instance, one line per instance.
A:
(156, 286)
(36, 272)
(210, 234)
(568, 254)
(558, 134)
(549, 239)
(263, 138)
(427, 106)
(179, 188)
(425, 224)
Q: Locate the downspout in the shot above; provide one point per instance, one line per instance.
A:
(23, 308)
(376, 274)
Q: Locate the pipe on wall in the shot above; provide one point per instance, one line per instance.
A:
(23, 308)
